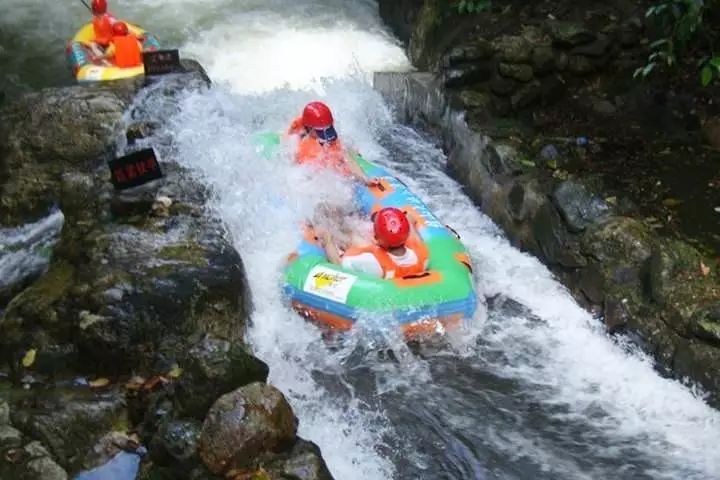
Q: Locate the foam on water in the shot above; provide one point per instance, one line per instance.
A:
(269, 58)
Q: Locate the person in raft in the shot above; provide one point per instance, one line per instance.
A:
(102, 22)
(319, 144)
(124, 50)
(398, 250)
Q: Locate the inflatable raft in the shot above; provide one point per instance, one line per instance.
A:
(86, 69)
(432, 302)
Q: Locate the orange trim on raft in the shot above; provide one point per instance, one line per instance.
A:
(464, 258)
(426, 328)
(382, 191)
(425, 278)
(309, 235)
(421, 328)
(335, 322)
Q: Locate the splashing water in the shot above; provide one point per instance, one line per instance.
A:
(534, 390)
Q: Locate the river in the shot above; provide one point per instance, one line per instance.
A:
(532, 387)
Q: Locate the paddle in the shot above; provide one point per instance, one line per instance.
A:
(86, 5)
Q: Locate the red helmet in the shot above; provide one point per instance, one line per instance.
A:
(392, 228)
(120, 29)
(99, 7)
(317, 115)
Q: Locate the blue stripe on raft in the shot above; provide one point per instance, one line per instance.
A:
(466, 307)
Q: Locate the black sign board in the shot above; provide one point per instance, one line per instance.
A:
(135, 169)
(160, 62)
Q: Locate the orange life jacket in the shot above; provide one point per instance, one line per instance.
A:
(127, 51)
(296, 127)
(329, 155)
(389, 267)
(102, 27)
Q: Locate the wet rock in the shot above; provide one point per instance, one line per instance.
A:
(45, 469)
(619, 239)
(480, 49)
(175, 444)
(9, 438)
(243, 424)
(467, 74)
(39, 465)
(568, 34)
(516, 71)
(108, 447)
(592, 284)
(561, 61)
(513, 49)
(475, 99)
(524, 199)
(671, 264)
(578, 207)
(4, 413)
(616, 314)
(705, 324)
(602, 106)
(597, 48)
(553, 239)
(502, 86)
(302, 462)
(700, 362)
(49, 133)
(139, 130)
(543, 60)
(527, 95)
(70, 424)
(552, 89)
(549, 153)
(580, 65)
(214, 367)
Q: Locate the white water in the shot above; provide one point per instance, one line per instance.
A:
(376, 419)
(25, 251)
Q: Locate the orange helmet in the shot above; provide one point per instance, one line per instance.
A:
(120, 29)
(392, 228)
(99, 7)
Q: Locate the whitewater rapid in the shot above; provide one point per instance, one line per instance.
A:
(533, 388)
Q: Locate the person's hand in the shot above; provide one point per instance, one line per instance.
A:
(373, 182)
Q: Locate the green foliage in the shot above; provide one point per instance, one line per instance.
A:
(681, 23)
(473, 6)
(710, 71)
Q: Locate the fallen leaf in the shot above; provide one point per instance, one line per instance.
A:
(99, 382)
(672, 202)
(29, 358)
(154, 382)
(175, 372)
(135, 383)
(704, 269)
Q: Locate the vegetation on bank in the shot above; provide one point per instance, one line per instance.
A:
(683, 31)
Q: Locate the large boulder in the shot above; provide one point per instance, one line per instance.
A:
(48, 133)
(244, 424)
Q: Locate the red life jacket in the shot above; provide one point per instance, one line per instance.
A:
(102, 27)
(127, 51)
(387, 263)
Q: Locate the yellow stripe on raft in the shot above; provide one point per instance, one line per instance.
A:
(86, 35)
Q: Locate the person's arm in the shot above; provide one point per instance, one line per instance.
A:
(358, 172)
(328, 243)
(109, 52)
